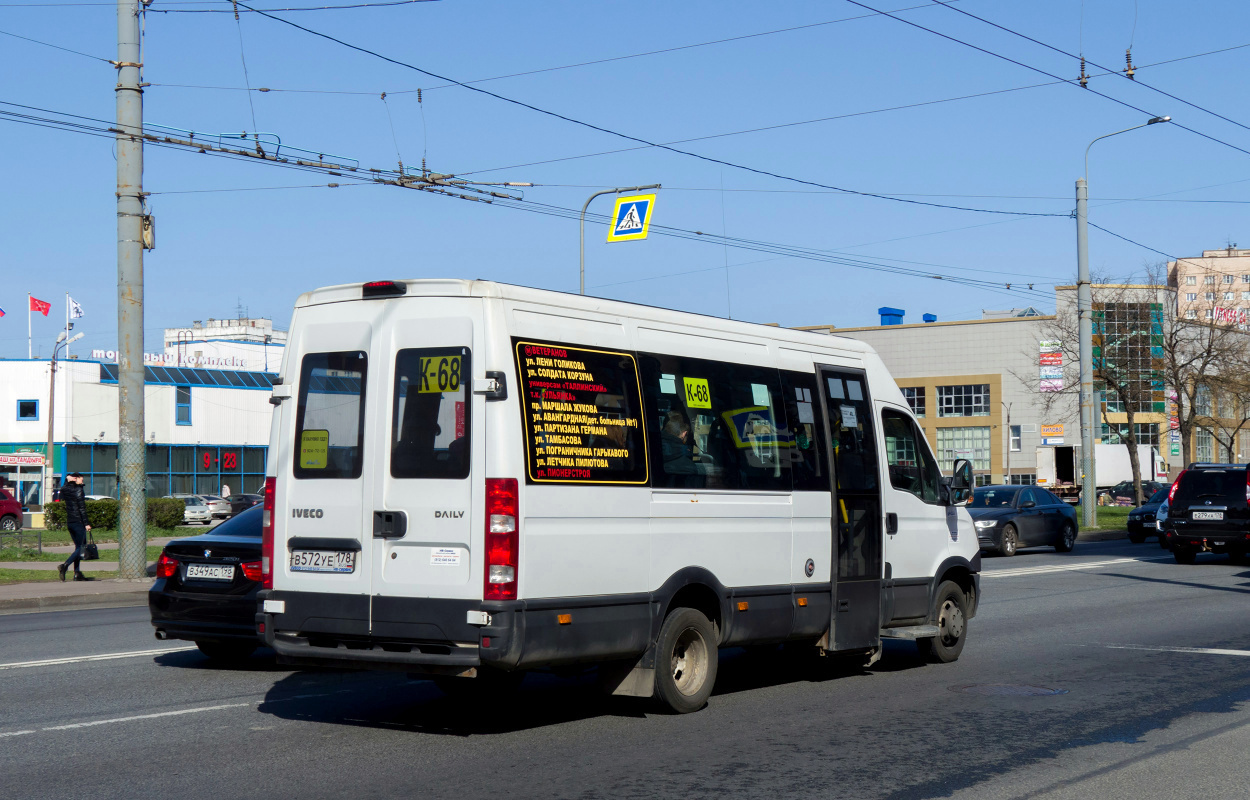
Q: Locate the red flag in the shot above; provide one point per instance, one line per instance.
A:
(40, 306)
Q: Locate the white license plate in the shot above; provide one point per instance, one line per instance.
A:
(323, 560)
(1207, 515)
(210, 573)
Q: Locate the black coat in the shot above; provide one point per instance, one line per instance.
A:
(75, 504)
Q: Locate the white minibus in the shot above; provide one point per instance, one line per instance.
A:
(469, 480)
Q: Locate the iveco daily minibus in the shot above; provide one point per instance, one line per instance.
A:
(470, 480)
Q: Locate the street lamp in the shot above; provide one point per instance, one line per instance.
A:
(1085, 313)
(581, 284)
(61, 342)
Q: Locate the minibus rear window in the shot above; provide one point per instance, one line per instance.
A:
(430, 413)
(330, 418)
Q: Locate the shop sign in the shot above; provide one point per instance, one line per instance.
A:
(21, 459)
(172, 360)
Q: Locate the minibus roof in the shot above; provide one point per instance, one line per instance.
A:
(446, 287)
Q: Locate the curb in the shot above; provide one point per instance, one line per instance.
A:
(29, 605)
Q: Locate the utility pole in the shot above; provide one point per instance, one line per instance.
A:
(1007, 475)
(1085, 319)
(581, 241)
(131, 454)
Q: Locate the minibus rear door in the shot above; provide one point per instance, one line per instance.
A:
(428, 491)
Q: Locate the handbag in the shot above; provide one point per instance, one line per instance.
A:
(89, 551)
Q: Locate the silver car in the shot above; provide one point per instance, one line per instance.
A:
(219, 507)
(196, 509)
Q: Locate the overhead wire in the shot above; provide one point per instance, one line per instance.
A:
(640, 140)
(56, 47)
(1041, 71)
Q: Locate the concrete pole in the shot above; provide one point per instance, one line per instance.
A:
(1085, 320)
(581, 240)
(132, 514)
(49, 483)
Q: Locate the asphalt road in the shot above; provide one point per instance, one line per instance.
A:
(1148, 660)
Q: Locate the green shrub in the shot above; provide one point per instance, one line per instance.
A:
(102, 514)
(165, 512)
(54, 516)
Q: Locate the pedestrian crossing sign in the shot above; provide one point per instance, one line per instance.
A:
(631, 219)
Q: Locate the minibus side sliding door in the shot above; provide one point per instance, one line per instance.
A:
(856, 608)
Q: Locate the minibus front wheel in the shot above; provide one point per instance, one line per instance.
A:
(686, 661)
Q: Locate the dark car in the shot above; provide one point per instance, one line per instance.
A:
(242, 502)
(1209, 511)
(206, 587)
(1122, 493)
(1141, 521)
(1010, 517)
(10, 512)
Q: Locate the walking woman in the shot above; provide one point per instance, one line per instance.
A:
(76, 520)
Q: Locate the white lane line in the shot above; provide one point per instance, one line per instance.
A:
(93, 723)
(15, 733)
(1012, 573)
(1207, 651)
(49, 662)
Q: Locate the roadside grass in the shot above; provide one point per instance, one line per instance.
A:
(23, 554)
(1110, 518)
(109, 536)
(8, 576)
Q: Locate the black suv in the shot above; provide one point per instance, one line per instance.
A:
(1210, 512)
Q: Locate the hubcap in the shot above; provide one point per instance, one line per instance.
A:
(8, 525)
(1069, 536)
(951, 622)
(689, 662)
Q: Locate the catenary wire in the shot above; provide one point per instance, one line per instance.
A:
(1011, 60)
(56, 47)
(640, 140)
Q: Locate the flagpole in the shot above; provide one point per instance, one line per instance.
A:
(67, 324)
(30, 353)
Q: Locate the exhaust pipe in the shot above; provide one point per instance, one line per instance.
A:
(160, 634)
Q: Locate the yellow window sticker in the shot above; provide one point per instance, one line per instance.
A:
(439, 374)
(697, 393)
(314, 450)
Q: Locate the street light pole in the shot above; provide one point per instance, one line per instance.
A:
(48, 482)
(1085, 336)
(581, 241)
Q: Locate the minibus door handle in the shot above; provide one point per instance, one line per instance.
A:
(891, 523)
(389, 524)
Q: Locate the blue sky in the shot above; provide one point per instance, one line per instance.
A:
(1017, 151)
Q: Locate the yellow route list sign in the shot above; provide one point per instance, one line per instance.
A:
(697, 393)
(314, 450)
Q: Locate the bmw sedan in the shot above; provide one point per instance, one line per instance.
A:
(1141, 521)
(206, 587)
(1010, 517)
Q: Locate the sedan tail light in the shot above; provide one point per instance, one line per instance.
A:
(166, 566)
(251, 571)
(266, 542)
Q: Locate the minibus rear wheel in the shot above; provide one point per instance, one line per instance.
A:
(686, 661)
(950, 607)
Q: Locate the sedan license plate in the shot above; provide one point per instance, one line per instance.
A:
(211, 573)
(323, 561)
(1207, 515)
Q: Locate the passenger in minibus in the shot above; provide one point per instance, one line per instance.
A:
(677, 447)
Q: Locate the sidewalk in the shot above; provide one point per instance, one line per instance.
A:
(89, 566)
(23, 598)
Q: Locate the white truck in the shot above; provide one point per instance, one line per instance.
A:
(1059, 467)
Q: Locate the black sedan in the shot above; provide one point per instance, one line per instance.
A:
(1141, 521)
(242, 502)
(1010, 517)
(206, 587)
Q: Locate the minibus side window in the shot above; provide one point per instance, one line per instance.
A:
(330, 417)
(807, 431)
(912, 467)
(716, 425)
(430, 413)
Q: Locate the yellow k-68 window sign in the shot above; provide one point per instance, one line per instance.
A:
(439, 374)
(697, 393)
(631, 219)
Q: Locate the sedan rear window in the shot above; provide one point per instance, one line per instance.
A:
(245, 523)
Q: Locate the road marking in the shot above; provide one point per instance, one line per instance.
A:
(92, 724)
(1208, 651)
(102, 657)
(1012, 573)
(15, 733)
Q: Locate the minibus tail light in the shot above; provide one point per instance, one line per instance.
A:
(1177, 482)
(266, 542)
(383, 289)
(502, 542)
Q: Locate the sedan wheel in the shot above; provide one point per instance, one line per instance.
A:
(1010, 541)
(1067, 538)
